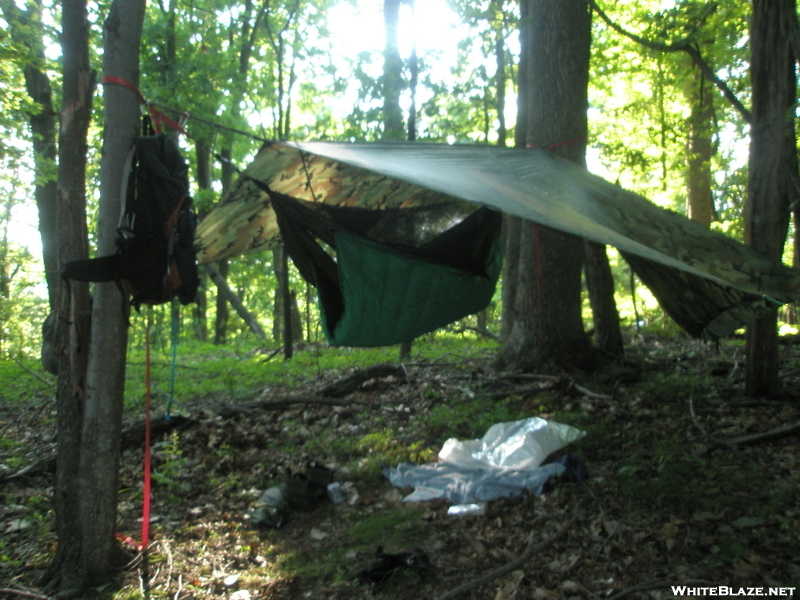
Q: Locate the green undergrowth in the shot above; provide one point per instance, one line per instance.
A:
(239, 371)
(469, 418)
(24, 381)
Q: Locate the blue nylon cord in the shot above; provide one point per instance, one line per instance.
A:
(174, 369)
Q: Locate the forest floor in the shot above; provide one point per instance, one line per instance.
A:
(677, 495)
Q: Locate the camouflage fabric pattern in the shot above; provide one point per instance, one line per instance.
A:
(244, 222)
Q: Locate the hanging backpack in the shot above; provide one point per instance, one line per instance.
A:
(155, 259)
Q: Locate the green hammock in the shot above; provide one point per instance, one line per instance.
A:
(397, 273)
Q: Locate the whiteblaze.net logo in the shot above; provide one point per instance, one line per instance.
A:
(723, 590)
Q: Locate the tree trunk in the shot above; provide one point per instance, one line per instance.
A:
(547, 329)
(203, 177)
(221, 313)
(600, 283)
(67, 571)
(105, 378)
(512, 226)
(500, 72)
(286, 298)
(699, 200)
(392, 80)
(772, 165)
(413, 69)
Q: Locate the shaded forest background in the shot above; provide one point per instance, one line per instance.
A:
(657, 124)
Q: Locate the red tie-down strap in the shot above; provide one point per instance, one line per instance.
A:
(156, 115)
(146, 491)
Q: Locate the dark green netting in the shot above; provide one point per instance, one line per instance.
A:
(397, 273)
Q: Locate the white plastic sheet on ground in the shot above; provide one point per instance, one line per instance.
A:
(503, 462)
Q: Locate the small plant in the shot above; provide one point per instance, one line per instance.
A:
(383, 449)
(171, 466)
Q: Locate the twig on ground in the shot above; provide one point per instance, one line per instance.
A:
(355, 380)
(755, 438)
(40, 466)
(230, 410)
(272, 354)
(587, 591)
(590, 393)
(131, 436)
(525, 390)
(651, 585)
(524, 376)
(530, 550)
(25, 594)
(708, 436)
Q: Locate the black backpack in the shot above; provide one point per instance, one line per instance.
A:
(156, 258)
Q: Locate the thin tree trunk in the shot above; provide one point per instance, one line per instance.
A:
(288, 334)
(600, 283)
(512, 226)
(392, 79)
(224, 294)
(72, 338)
(229, 296)
(203, 177)
(105, 378)
(772, 166)
(413, 69)
(500, 72)
(699, 199)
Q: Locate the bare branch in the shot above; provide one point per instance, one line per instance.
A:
(25, 594)
(773, 434)
(683, 45)
(709, 74)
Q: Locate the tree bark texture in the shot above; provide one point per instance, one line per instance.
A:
(203, 177)
(221, 312)
(772, 165)
(699, 149)
(547, 328)
(105, 377)
(600, 283)
(512, 227)
(72, 337)
(286, 303)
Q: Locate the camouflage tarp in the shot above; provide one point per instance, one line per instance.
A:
(709, 283)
